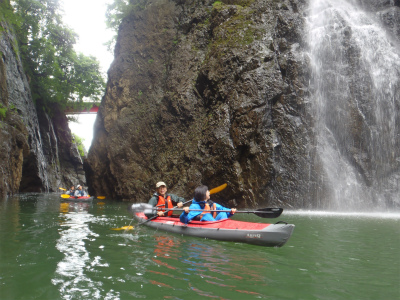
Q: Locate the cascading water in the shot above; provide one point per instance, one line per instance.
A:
(356, 98)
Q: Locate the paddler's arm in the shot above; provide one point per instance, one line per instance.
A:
(153, 202)
(184, 217)
(220, 207)
(188, 215)
(178, 200)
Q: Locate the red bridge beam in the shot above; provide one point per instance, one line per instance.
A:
(79, 110)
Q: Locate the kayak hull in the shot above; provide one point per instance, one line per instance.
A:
(79, 199)
(262, 234)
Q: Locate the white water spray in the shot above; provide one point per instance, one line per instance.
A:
(356, 83)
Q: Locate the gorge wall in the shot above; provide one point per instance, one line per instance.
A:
(36, 150)
(213, 92)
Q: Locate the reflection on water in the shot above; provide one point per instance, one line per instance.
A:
(205, 269)
(217, 267)
(72, 271)
(327, 250)
(51, 250)
(74, 206)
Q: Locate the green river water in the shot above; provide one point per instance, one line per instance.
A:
(54, 250)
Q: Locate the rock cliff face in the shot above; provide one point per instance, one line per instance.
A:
(213, 92)
(36, 152)
(205, 93)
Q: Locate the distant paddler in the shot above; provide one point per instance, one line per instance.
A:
(80, 192)
(71, 191)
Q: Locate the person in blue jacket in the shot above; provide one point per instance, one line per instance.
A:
(201, 201)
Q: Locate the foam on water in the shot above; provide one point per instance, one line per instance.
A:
(319, 213)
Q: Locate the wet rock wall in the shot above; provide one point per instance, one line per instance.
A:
(37, 153)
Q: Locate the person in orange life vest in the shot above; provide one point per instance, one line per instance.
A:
(202, 201)
(164, 200)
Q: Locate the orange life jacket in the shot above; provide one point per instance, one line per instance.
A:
(164, 204)
(207, 209)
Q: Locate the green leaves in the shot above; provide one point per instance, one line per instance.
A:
(117, 11)
(57, 73)
(88, 81)
(79, 144)
(3, 112)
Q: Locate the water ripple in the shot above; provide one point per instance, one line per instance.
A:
(71, 277)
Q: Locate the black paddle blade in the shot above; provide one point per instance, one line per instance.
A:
(269, 212)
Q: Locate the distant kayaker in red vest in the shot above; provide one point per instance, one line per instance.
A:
(202, 201)
(163, 200)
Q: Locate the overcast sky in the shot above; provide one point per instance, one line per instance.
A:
(87, 19)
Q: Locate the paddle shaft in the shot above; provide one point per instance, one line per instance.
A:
(262, 212)
(238, 211)
(156, 216)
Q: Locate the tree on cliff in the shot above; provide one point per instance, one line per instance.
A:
(116, 11)
(56, 73)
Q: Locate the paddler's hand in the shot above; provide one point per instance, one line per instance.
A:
(160, 213)
(186, 209)
(233, 210)
(180, 204)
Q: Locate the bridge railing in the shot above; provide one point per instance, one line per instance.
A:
(78, 109)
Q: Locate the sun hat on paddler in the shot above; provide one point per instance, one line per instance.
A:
(160, 183)
(78, 186)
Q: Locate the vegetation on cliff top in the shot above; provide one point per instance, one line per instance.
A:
(56, 73)
(117, 10)
(79, 144)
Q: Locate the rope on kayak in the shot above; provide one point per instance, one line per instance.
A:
(281, 222)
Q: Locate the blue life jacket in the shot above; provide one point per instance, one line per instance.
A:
(187, 217)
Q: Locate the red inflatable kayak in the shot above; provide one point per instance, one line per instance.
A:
(263, 234)
(80, 199)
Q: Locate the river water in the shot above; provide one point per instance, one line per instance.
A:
(54, 250)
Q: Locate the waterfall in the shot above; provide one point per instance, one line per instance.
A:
(356, 99)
